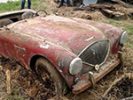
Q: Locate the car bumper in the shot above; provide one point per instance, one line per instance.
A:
(85, 82)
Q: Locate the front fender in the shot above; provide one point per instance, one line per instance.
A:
(60, 58)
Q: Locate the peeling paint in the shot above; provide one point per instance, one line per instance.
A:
(45, 46)
(59, 39)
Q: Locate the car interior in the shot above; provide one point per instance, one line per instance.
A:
(8, 18)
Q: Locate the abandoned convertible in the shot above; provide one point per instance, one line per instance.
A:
(70, 51)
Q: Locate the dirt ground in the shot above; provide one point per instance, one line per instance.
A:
(25, 86)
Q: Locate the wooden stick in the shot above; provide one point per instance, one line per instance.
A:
(8, 81)
(122, 3)
(128, 75)
(128, 98)
(115, 82)
(1, 68)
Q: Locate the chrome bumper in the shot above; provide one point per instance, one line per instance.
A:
(85, 82)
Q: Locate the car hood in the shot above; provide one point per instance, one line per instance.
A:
(70, 33)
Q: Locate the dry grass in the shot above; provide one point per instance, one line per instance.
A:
(96, 92)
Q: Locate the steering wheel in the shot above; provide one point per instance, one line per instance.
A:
(42, 13)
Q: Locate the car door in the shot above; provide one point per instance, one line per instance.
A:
(2, 41)
(7, 43)
(15, 47)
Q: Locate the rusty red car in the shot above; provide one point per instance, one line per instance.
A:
(70, 52)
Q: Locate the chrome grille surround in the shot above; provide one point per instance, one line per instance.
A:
(96, 53)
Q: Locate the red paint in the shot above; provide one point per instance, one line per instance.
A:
(58, 39)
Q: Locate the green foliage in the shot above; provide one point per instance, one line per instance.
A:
(16, 5)
(10, 5)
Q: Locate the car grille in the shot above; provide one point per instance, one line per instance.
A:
(96, 53)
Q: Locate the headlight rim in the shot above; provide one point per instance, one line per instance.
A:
(123, 38)
(72, 65)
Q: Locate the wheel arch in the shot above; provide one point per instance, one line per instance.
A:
(34, 59)
(32, 67)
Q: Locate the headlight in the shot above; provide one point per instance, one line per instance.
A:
(123, 38)
(75, 66)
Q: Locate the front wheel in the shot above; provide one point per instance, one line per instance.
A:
(49, 76)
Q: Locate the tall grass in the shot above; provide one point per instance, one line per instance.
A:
(16, 5)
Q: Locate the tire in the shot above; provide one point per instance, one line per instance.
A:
(49, 76)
